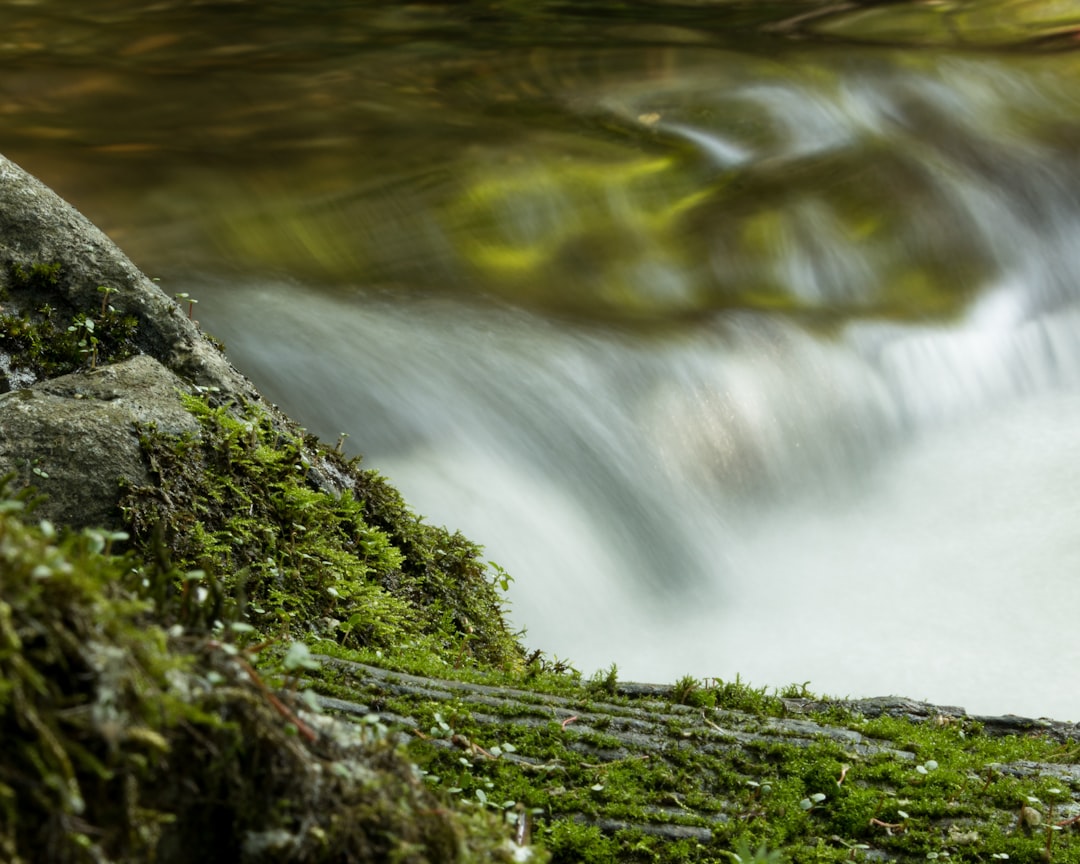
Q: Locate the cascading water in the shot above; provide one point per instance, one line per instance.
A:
(861, 472)
(884, 511)
(753, 359)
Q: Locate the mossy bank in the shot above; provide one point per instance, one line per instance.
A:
(222, 640)
(126, 740)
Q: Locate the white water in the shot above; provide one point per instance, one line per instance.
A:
(884, 502)
(893, 510)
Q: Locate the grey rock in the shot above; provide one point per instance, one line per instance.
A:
(38, 227)
(75, 437)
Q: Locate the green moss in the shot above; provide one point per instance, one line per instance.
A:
(738, 696)
(125, 744)
(689, 691)
(810, 796)
(46, 343)
(575, 842)
(38, 278)
(604, 683)
(242, 527)
(83, 703)
(240, 502)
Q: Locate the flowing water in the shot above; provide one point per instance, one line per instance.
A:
(745, 336)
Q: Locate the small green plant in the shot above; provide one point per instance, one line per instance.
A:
(604, 682)
(738, 696)
(684, 689)
(743, 854)
(82, 329)
(797, 691)
(38, 341)
(688, 690)
(502, 578)
(185, 297)
(105, 291)
(537, 663)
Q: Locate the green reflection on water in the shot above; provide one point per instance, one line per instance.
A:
(545, 153)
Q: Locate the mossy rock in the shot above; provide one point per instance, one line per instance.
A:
(295, 540)
(118, 386)
(73, 436)
(125, 743)
(135, 729)
(53, 256)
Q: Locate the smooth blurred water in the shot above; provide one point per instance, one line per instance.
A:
(889, 511)
(745, 338)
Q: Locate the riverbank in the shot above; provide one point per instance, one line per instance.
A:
(179, 643)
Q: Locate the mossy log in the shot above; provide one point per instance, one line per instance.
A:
(612, 771)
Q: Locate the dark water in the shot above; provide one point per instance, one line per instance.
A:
(743, 334)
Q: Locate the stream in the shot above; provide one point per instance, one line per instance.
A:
(743, 335)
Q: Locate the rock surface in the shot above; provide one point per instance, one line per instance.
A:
(74, 437)
(38, 227)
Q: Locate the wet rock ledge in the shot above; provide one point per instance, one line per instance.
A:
(221, 641)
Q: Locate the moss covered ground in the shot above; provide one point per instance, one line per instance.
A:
(290, 538)
(129, 741)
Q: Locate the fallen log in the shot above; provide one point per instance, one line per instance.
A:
(687, 771)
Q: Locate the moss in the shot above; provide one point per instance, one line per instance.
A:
(241, 503)
(83, 702)
(123, 743)
(604, 683)
(578, 781)
(253, 531)
(738, 696)
(899, 789)
(44, 342)
(38, 278)
(575, 842)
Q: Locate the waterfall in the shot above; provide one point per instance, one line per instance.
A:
(889, 508)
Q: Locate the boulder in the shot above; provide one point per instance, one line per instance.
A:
(74, 437)
(38, 227)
